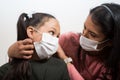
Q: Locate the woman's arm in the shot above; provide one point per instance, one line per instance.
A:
(73, 73)
(65, 40)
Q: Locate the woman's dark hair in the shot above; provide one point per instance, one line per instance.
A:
(107, 16)
(21, 69)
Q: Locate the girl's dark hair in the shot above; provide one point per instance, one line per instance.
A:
(109, 21)
(21, 69)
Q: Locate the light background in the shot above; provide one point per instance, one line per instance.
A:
(70, 13)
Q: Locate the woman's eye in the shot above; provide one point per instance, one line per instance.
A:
(92, 34)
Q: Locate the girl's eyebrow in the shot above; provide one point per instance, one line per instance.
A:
(53, 28)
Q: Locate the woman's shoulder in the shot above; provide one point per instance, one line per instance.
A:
(69, 38)
(70, 34)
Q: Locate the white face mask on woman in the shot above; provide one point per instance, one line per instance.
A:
(47, 46)
(90, 45)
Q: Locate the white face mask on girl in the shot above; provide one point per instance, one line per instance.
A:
(90, 45)
(47, 46)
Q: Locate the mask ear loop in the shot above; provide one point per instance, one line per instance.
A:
(41, 34)
(104, 41)
(37, 30)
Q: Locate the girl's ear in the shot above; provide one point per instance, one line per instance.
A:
(30, 32)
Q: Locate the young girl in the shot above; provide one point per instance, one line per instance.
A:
(43, 29)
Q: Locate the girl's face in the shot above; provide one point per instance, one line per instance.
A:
(51, 26)
(92, 31)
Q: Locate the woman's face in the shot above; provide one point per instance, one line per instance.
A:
(92, 31)
(51, 26)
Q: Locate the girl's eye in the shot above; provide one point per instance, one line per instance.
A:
(51, 33)
(84, 27)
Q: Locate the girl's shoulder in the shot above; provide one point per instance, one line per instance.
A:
(4, 69)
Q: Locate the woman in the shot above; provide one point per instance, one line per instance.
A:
(43, 29)
(95, 52)
(97, 57)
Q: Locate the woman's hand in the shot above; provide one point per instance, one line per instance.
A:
(21, 49)
(61, 53)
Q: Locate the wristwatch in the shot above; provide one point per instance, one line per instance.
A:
(68, 60)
